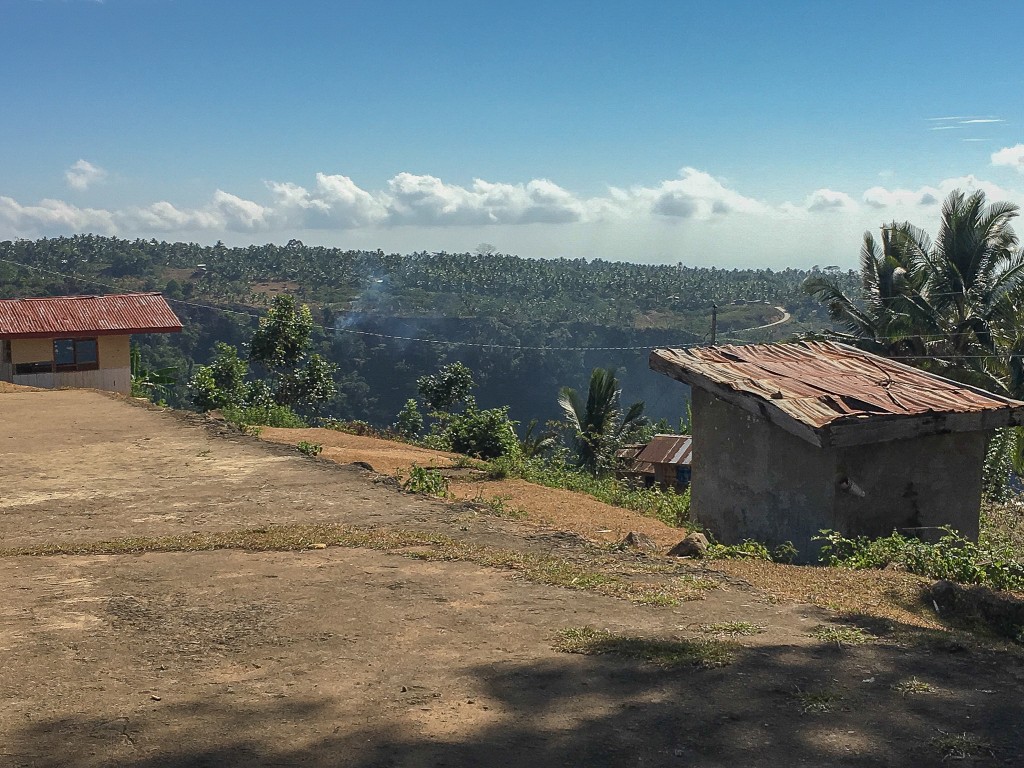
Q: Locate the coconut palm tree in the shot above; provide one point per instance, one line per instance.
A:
(952, 306)
(598, 424)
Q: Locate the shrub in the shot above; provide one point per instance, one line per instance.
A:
(952, 557)
(409, 422)
(426, 481)
(263, 415)
(487, 434)
(308, 448)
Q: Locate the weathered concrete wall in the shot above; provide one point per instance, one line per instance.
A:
(754, 481)
(920, 484)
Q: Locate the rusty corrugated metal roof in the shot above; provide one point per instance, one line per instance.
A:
(668, 449)
(86, 315)
(823, 385)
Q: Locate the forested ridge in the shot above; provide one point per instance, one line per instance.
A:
(525, 327)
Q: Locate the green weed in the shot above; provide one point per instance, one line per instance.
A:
(960, 746)
(732, 628)
(830, 633)
(429, 482)
(663, 653)
(308, 448)
(824, 700)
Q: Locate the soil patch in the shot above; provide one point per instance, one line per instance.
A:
(320, 655)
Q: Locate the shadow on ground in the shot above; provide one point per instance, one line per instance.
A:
(775, 705)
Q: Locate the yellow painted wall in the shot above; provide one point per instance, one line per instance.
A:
(31, 350)
(115, 351)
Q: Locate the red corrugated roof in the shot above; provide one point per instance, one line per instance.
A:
(824, 385)
(668, 449)
(86, 316)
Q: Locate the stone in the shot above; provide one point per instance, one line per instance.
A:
(694, 545)
(638, 541)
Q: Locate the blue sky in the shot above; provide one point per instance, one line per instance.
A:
(727, 133)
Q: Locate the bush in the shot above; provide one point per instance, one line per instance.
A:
(426, 481)
(263, 415)
(409, 423)
(952, 557)
(308, 448)
(486, 434)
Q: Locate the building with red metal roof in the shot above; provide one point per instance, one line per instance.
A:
(790, 439)
(77, 341)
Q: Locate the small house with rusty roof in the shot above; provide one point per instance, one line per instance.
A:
(790, 439)
(77, 341)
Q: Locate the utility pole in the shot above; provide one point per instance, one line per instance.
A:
(714, 323)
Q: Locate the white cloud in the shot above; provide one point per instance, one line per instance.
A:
(880, 197)
(83, 175)
(696, 195)
(427, 200)
(678, 218)
(337, 202)
(55, 216)
(164, 217)
(825, 200)
(1010, 156)
(239, 214)
(975, 120)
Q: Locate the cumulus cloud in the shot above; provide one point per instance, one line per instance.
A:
(427, 200)
(695, 195)
(677, 216)
(239, 214)
(822, 200)
(83, 175)
(335, 202)
(880, 197)
(165, 217)
(55, 216)
(928, 196)
(1010, 156)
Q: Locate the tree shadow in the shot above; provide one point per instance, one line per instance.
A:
(880, 704)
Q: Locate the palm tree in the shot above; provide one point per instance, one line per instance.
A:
(951, 306)
(598, 424)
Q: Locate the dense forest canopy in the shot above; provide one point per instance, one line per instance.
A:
(525, 327)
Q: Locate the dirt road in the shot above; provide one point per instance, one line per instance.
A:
(350, 656)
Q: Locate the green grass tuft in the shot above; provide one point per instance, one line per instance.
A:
(671, 654)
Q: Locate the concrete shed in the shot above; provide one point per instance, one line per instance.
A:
(77, 341)
(789, 439)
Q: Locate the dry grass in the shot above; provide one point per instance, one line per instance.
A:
(889, 595)
(882, 594)
(589, 573)
(732, 628)
(913, 686)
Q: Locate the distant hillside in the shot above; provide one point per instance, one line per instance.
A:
(389, 318)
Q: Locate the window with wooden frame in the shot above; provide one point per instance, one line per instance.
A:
(75, 355)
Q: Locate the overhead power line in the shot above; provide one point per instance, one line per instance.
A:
(352, 331)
